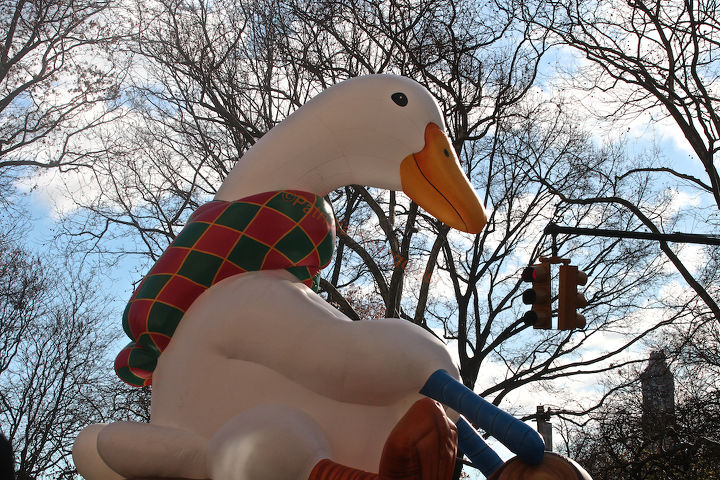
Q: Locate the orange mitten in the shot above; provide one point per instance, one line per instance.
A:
(422, 446)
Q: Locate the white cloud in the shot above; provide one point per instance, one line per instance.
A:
(48, 190)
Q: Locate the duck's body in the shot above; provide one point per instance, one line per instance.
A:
(349, 377)
(263, 379)
(261, 364)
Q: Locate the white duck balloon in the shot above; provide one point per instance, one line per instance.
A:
(263, 379)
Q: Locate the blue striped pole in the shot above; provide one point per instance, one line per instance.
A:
(474, 447)
(521, 439)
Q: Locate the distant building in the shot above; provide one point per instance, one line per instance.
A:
(658, 395)
(544, 427)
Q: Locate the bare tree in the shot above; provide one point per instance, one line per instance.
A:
(657, 58)
(52, 352)
(22, 284)
(201, 97)
(58, 81)
(626, 439)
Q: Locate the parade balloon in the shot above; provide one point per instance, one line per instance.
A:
(254, 375)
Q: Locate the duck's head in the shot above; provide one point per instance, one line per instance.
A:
(383, 131)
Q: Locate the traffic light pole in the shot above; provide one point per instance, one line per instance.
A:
(555, 229)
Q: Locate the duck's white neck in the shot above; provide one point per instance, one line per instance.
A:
(288, 158)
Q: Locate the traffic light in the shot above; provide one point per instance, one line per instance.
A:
(569, 300)
(538, 296)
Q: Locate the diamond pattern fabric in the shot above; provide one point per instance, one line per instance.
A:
(287, 229)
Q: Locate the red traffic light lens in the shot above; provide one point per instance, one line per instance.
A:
(528, 274)
(536, 273)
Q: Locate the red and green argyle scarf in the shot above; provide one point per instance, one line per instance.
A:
(290, 229)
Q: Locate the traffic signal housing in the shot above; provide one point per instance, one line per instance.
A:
(538, 296)
(569, 299)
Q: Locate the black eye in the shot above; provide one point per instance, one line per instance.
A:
(399, 98)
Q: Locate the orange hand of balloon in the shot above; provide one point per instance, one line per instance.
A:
(422, 446)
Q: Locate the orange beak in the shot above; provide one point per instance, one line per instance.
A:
(434, 179)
